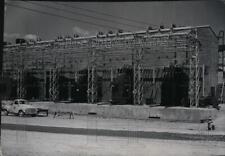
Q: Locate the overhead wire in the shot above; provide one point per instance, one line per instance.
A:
(64, 17)
(106, 14)
(90, 16)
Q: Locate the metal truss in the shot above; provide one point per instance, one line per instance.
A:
(112, 75)
(221, 50)
(194, 72)
(20, 84)
(137, 44)
(53, 84)
(76, 76)
(92, 86)
(44, 84)
(138, 75)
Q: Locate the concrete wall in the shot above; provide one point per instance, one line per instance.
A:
(134, 112)
(131, 112)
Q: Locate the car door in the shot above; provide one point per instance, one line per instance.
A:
(15, 107)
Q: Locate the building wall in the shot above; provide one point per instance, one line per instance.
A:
(209, 57)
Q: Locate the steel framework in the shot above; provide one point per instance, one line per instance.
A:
(194, 71)
(136, 44)
(53, 84)
(138, 77)
(92, 86)
(20, 83)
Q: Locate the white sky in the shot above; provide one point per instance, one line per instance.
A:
(23, 23)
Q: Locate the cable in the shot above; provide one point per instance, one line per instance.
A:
(64, 17)
(76, 13)
(109, 15)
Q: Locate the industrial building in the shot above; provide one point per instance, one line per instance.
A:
(169, 66)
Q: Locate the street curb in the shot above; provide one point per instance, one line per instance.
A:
(114, 133)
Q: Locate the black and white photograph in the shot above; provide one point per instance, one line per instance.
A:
(105, 78)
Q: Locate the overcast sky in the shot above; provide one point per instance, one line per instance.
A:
(135, 16)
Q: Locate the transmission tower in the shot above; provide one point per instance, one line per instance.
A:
(138, 74)
(92, 86)
(20, 83)
(194, 74)
(53, 84)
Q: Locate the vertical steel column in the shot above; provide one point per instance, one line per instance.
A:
(203, 80)
(50, 84)
(197, 76)
(111, 81)
(92, 91)
(76, 78)
(20, 77)
(153, 75)
(20, 84)
(69, 90)
(44, 75)
(137, 77)
(190, 88)
(44, 84)
(194, 83)
(53, 86)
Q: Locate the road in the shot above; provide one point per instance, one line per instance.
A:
(27, 142)
(87, 125)
(21, 143)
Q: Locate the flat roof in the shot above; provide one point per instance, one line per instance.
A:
(160, 31)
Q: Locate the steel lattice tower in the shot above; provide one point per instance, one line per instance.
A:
(53, 84)
(194, 74)
(138, 77)
(92, 90)
(20, 83)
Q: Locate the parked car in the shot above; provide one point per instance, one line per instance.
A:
(20, 107)
(42, 110)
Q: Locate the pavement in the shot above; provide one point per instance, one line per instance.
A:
(91, 135)
(22, 143)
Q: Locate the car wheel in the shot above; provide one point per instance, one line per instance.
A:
(20, 113)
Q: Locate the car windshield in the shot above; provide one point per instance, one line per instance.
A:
(23, 102)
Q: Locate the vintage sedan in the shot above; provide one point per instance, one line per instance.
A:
(20, 107)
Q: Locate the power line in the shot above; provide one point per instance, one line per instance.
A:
(64, 17)
(77, 13)
(109, 15)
